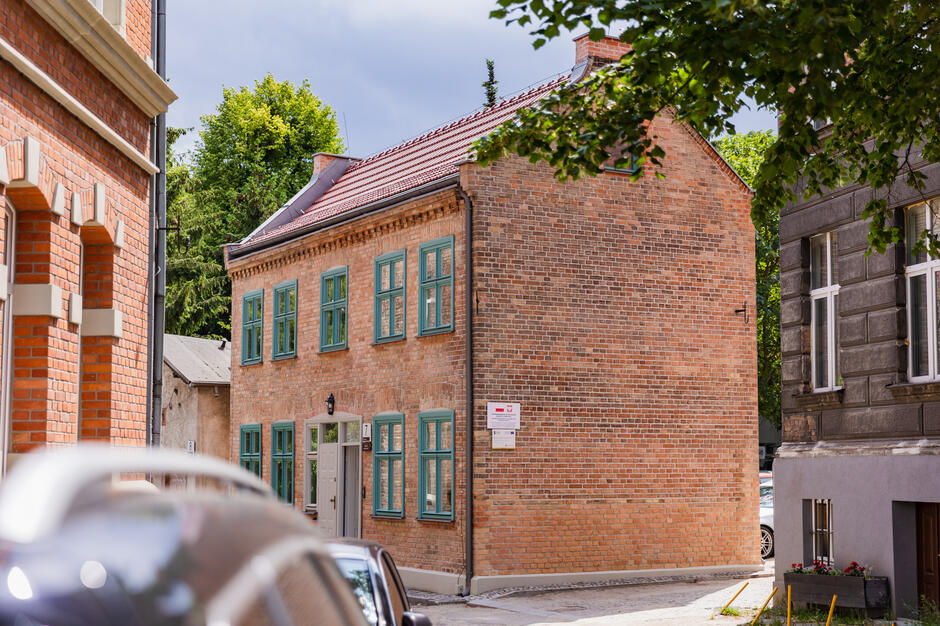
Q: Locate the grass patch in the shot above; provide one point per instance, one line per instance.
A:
(731, 611)
(815, 617)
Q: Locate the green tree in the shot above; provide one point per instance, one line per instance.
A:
(253, 154)
(869, 67)
(745, 153)
(489, 85)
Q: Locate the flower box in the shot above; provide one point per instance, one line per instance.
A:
(854, 592)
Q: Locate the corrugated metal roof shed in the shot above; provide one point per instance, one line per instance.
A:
(198, 361)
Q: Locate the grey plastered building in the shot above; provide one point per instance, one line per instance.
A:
(857, 477)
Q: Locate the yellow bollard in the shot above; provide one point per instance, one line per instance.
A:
(789, 589)
(764, 606)
(832, 607)
(732, 599)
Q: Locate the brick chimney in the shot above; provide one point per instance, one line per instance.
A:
(322, 159)
(598, 53)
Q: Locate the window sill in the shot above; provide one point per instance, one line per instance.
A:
(284, 357)
(329, 349)
(436, 520)
(247, 363)
(384, 340)
(820, 399)
(915, 389)
(435, 331)
(389, 516)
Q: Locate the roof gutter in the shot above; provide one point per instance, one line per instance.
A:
(365, 210)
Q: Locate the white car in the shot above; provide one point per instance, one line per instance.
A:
(766, 520)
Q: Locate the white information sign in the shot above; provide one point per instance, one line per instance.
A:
(504, 415)
(191, 446)
(504, 439)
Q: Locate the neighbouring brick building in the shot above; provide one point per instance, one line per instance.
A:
(77, 95)
(857, 477)
(618, 315)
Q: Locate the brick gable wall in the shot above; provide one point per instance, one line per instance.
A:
(606, 308)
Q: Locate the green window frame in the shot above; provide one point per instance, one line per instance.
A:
(284, 331)
(436, 465)
(334, 286)
(249, 448)
(390, 277)
(388, 465)
(436, 286)
(282, 460)
(252, 332)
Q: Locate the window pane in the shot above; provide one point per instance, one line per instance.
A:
(356, 572)
(430, 435)
(341, 289)
(330, 433)
(312, 436)
(257, 334)
(328, 326)
(312, 469)
(430, 264)
(383, 437)
(447, 485)
(430, 308)
(430, 484)
(383, 483)
(396, 437)
(917, 303)
(447, 261)
(447, 431)
(341, 325)
(384, 277)
(916, 223)
(399, 273)
(446, 312)
(351, 433)
(384, 317)
(329, 290)
(399, 319)
(292, 300)
(291, 334)
(819, 272)
(820, 344)
(395, 496)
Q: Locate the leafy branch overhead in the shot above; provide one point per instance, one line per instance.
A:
(869, 67)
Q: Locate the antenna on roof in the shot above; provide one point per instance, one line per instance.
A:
(346, 127)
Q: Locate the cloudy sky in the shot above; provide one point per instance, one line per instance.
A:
(391, 69)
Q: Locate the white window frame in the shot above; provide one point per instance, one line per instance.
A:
(310, 426)
(817, 533)
(930, 270)
(828, 292)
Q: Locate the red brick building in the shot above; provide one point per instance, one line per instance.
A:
(608, 311)
(78, 93)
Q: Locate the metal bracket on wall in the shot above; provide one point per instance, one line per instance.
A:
(179, 238)
(743, 309)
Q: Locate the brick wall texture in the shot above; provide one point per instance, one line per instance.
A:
(606, 308)
(65, 386)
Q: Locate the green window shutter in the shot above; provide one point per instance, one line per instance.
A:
(436, 286)
(282, 460)
(333, 312)
(390, 272)
(249, 448)
(436, 465)
(252, 316)
(388, 465)
(284, 328)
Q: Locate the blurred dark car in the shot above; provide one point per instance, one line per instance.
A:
(79, 547)
(372, 574)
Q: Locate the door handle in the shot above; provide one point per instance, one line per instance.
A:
(333, 500)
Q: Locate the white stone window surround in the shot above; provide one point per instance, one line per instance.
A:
(921, 274)
(824, 303)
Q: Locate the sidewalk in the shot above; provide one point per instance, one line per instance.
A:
(690, 602)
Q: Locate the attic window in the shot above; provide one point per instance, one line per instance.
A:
(113, 11)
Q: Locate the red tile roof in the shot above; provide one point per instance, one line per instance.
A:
(416, 162)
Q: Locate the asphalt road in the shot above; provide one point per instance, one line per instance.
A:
(684, 603)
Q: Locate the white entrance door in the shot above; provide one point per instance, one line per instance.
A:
(328, 506)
